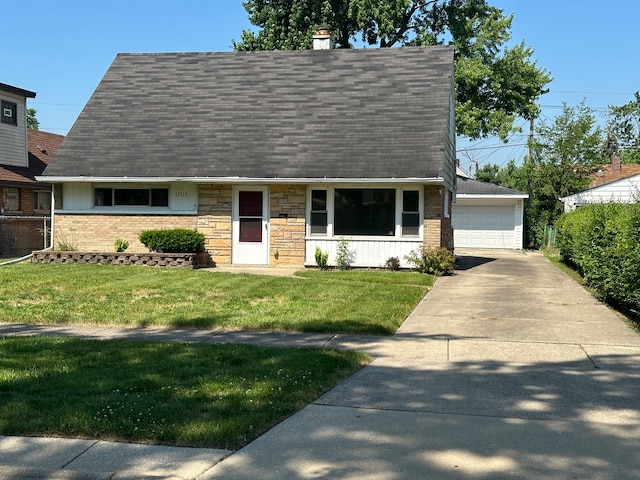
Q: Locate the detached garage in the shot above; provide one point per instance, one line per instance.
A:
(487, 216)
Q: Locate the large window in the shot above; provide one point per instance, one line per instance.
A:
(319, 214)
(365, 211)
(12, 199)
(131, 197)
(9, 112)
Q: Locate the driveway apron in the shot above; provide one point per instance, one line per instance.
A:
(508, 369)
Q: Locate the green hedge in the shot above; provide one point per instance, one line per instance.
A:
(603, 242)
(177, 240)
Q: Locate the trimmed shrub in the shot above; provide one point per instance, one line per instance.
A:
(603, 242)
(177, 240)
(436, 261)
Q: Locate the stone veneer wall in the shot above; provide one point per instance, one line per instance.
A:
(189, 260)
(288, 227)
(214, 221)
(97, 233)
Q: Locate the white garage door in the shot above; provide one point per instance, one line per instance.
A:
(477, 226)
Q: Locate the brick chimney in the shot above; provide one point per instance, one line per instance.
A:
(616, 164)
(322, 40)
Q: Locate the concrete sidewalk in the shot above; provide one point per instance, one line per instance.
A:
(506, 370)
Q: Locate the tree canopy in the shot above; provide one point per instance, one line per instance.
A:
(623, 131)
(32, 121)
(495, 83)
(565, 154)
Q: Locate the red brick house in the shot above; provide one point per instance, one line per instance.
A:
(25, 204)
(269, 154)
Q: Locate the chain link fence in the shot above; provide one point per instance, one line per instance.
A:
(22, 234)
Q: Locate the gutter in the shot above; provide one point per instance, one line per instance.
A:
(238, 180)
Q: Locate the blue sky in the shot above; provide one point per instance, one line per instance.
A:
(66, 46)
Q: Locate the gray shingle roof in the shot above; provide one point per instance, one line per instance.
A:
(469, 186)
(372, 113)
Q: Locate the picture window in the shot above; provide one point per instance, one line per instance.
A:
(131, 197)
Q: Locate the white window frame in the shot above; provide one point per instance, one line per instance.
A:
(398, 212)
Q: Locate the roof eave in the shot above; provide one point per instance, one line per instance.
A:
(489, 195)
(235, 180)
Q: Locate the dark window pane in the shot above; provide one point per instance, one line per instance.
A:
(410, 224)
(103, 197)
(318, 199)
(159, 197)
(410, 219)
(251, 230)
(318, 222)
(410, 201)
(250, 204)
(365, 211)
(131, 196)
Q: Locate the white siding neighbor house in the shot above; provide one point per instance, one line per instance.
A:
(625, 190)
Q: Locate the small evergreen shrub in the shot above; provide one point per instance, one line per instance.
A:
(120, 244)
(392, 263)
(321, 259)
(177, 240)
(436, 261)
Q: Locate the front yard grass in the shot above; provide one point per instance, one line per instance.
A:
(364, 302)
(215, 396)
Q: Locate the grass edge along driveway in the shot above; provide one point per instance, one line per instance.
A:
(362, 302)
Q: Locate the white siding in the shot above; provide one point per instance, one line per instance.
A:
(13, 138)
(626, 190)
(76, 196)
(369, 252)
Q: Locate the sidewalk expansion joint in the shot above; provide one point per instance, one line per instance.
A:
(593, 362)
(80, 454)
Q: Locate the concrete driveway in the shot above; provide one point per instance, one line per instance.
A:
(508, 369)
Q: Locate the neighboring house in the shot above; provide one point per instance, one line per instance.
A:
(616, 182)
(269, 154)
(25, 205)
(625, 190)
(487, 215)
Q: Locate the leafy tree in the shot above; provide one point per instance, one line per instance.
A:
(495, 84)
(566, 153)
(623, 131)
(32, 121)
(488, 173)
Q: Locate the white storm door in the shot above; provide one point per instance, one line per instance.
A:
(250, 226)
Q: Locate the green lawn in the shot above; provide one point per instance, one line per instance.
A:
(366, 302)
(216, 396)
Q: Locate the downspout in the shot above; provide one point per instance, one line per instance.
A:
(53, 208)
